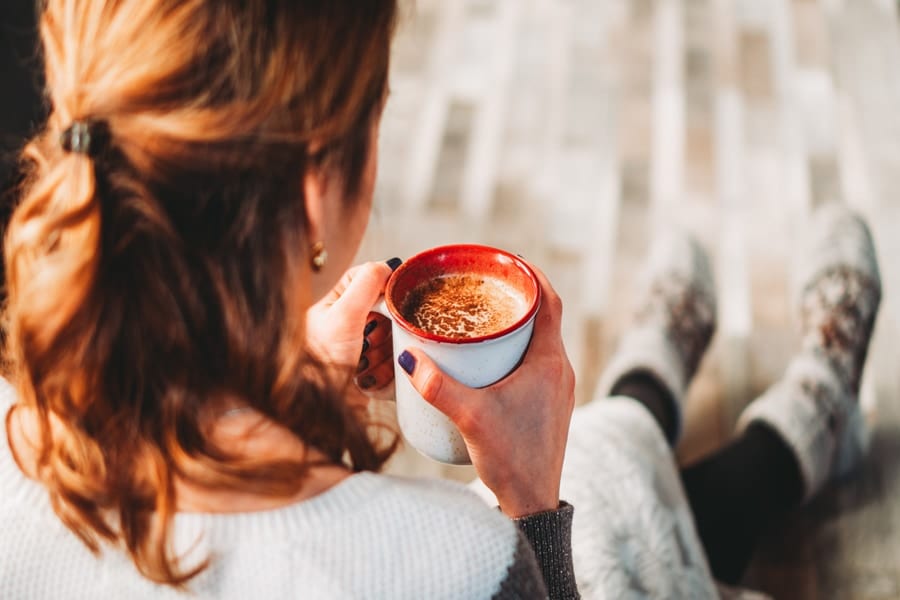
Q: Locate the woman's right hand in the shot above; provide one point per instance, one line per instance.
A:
(516, 429)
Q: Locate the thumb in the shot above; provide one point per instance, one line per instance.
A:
(362, 291)
(439, 389)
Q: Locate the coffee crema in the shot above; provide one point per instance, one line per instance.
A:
(464, 306)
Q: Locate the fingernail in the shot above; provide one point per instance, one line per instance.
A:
(363, 364)
(366, 382)
(407, 362)
(370, 327)
(394, 263)
(365, 346)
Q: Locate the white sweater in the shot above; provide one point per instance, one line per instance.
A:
(371, 536)
(375, 536)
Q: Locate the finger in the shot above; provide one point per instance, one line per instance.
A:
(366, 283)
(551, 304)
(439, 389)
(377, 377)
(380, 332)
(384, 394)
(366, 382)
(547, 322)
(374, 357)
(337, 291)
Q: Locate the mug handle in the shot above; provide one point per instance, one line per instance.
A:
(381, 308)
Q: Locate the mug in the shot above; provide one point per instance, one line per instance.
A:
(477, 361)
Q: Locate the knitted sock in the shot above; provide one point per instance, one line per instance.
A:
(814, 406)
(672, 327)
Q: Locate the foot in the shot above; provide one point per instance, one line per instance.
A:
(815, 407)
(673, 326)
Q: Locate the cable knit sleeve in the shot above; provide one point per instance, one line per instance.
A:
(549, 535)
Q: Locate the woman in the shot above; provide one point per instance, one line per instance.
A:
(203, 181)
(182, 346)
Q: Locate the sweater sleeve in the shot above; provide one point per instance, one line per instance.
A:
(550, 536)
(523, 578)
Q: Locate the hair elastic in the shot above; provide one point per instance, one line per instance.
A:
(83, 137)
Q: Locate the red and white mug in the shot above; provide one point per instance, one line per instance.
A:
(474, 361)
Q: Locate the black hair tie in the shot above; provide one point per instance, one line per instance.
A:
(84, 137)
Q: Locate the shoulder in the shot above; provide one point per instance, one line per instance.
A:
(436, 493)
(436, 537)
(372, 536)
(444, 507)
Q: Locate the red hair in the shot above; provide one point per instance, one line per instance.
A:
(166, 271)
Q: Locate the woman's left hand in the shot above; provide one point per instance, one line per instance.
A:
(342, 330)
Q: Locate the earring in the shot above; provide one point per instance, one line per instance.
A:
(318, 256)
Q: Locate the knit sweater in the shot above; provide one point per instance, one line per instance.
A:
(375, 536)
(370, 536)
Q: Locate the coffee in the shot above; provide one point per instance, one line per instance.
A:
(464, 306)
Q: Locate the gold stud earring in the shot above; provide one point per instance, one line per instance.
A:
(318, 256)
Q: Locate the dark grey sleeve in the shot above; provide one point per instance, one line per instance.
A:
(550, 536)
(523, 579)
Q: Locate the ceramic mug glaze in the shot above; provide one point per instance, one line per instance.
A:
(474, 361)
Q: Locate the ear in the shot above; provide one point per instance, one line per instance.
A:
(315, 191)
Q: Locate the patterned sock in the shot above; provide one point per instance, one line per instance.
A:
(814, 406)
(672, 327)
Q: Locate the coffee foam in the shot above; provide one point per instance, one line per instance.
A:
(464, 306)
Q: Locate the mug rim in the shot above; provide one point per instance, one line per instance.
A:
(427, 335)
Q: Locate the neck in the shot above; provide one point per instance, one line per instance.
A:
(246, 433)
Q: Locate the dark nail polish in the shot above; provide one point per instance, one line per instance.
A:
(363, 364)
(407, 362)
(366, 382)
(394, 263)
(365, 346)
(370, 327)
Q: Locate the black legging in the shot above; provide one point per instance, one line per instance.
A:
(737, 492)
